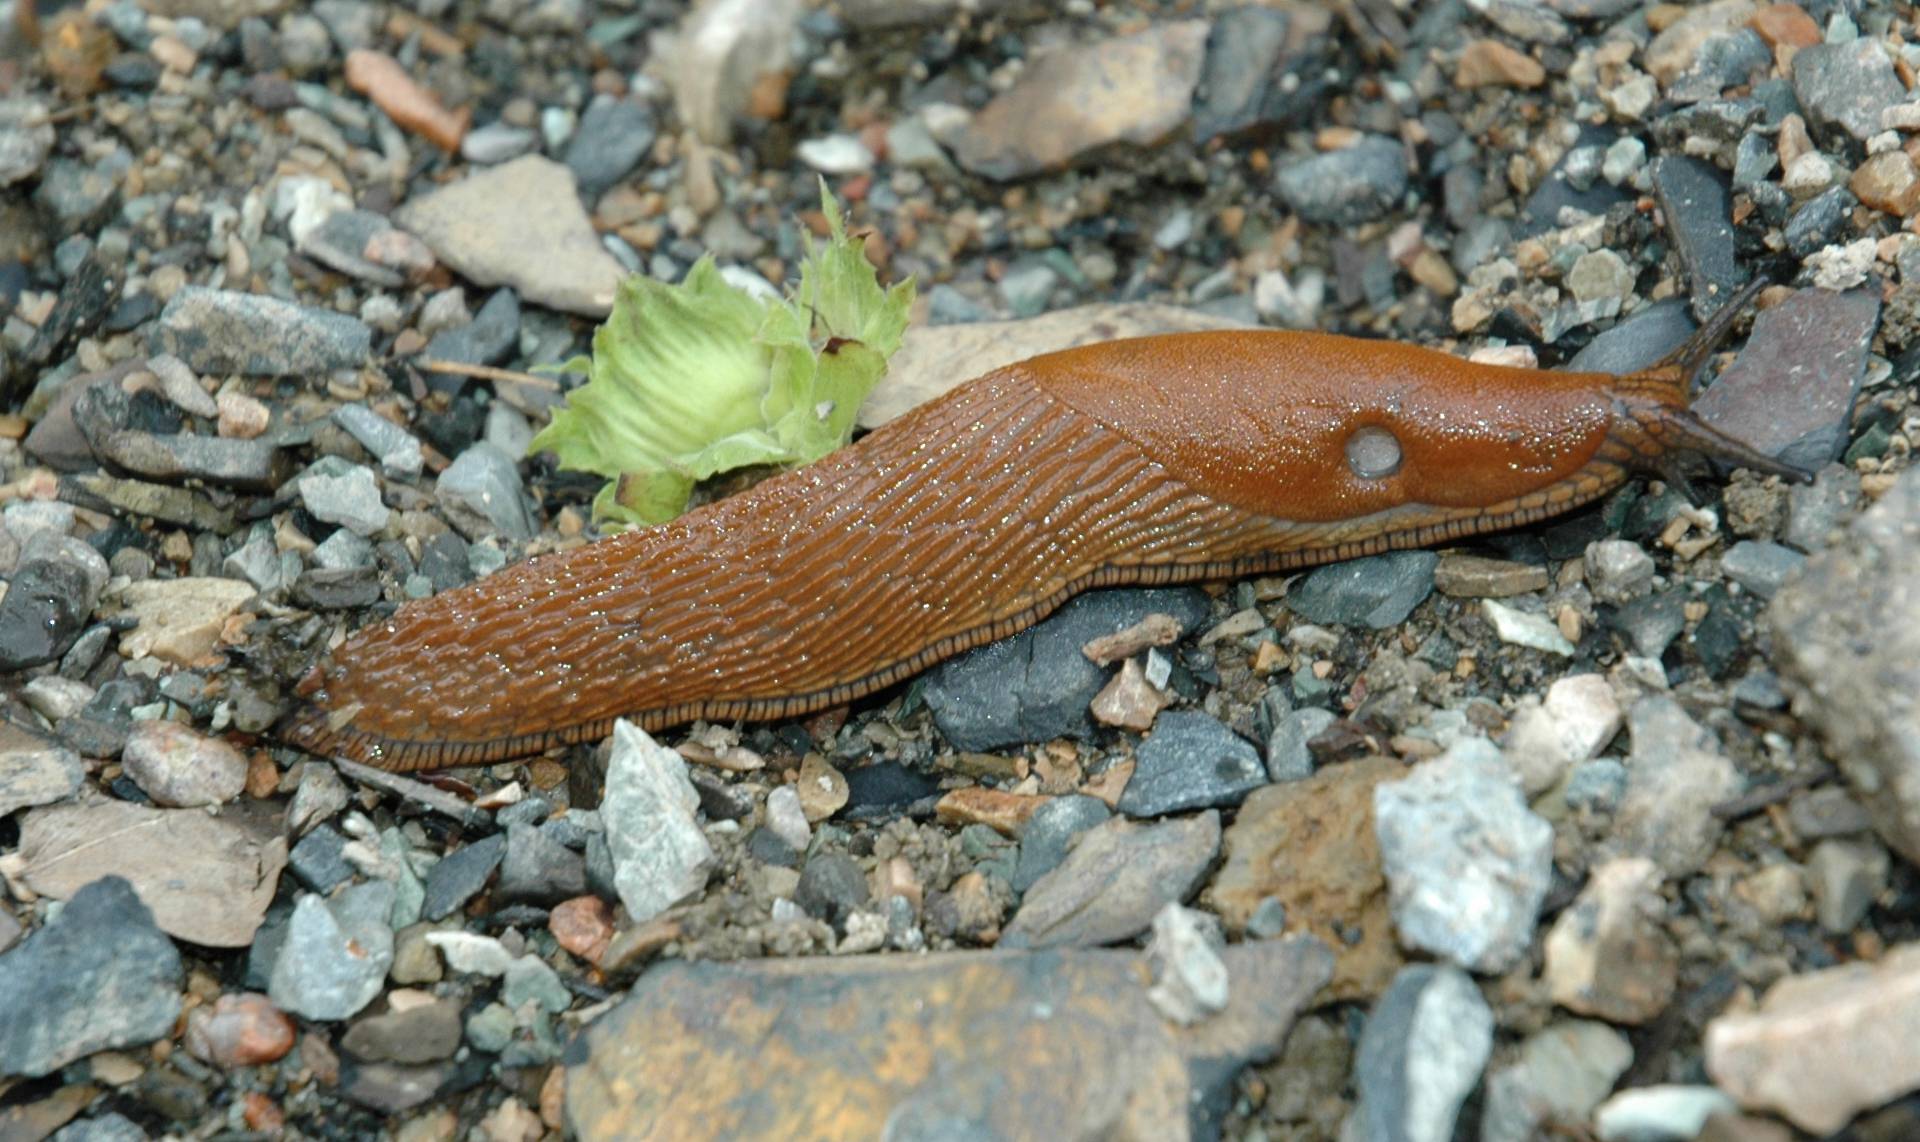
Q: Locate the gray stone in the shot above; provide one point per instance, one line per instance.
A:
(336, 953)
(1420, 1055)
(1698, 206)
(496, 143)
(1844, 88)
(1191, 760)
(1791, 391)
(614, 134)
(1050, 833)
(397, 449)
(1820, 221)
(1816, 511)
(1846, 878)
(1250, 78)
(1760, 566)
(1035, 686)
(45, 609)
(1661, 1113)
(832, 885)
(1347, 187)
(489, 339)
(221, 331)
(481, 494)
(350, 499)
(460, 875)
(538, 869)
(365, 245)
(1561, 1074)
(26, 139)
(319, 861)
(1467, 863)
(1378, 591)
(1676, 773)
(420, 1034)
(528, 979)
(1114, 881)
(660, 855)
(98, 976)
(1288, 758)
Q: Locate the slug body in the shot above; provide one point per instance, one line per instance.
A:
(1155, 460)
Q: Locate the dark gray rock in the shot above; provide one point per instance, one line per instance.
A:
(1699, 210)
(1035, 686)
(461, 875)
(831, 886)
(614, 134)
(489, 339)
(99, 976)
(1653, 622)
(397, 449)
(1565, 186)
(417, 1035)
(1347, 187)
(1378, 591)
(1790, 392)
(221, 331)
(1843, 88)
(884, 790)
(1191, 760)
(1421, 1054)
(1820, 221)
(536, 869)
(1288, 758)
(343, 241)
(81, 197)
(45, 609)
(1250, 80)
(337, 588)
(1637, 343)
(1049, 834)
(319, 860)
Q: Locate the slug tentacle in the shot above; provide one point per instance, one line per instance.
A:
(1156, 460)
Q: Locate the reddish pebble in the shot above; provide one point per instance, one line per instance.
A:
(262, 1113)
(1786, 24)
(583, 926)
(379, 77)
(241, 1030)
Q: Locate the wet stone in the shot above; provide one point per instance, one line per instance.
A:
(220, 331)
(45, 609)
(1191, 760)
(1467, 863)
(1036, 685)
(1699, 210)
(1420, 1055)
(1378, 591)
(1113, 882)
(489, 339)
(1252, 78)
(97, 977)
(1011, 1045)
(1790, 392)
(460, 875)
(1361, 183)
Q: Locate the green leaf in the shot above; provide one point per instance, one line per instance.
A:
(691, 380)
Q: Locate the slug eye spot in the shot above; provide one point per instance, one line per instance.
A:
(1373, 453)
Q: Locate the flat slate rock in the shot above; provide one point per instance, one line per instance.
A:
(1115, 880)
(1790, 392)
(1378, 591)
(952, 1045)
(97, 977)
(1698, 206)
(1035, 686)
(1191, 760)
(221, 331)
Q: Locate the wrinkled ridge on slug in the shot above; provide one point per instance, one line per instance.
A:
(1161, 460)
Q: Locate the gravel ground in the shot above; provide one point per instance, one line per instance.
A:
(1604, 827)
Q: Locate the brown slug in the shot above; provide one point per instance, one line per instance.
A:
(1156, 460)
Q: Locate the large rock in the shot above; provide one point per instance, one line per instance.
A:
(953, 1045)
(1846, 639)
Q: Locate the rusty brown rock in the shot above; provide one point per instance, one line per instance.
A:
(997, 809)
(1310, 845)
(1128, 700)
(239, 1030)
(1887, 181)
(1490, 63)
(379, 77)
(1786, 25)
(977, 1044)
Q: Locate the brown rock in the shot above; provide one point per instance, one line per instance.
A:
(970, 910)
(239, 1030)
(822, 789)
(583, 926)
(1069, 103)
(1000, 811)
(379, 77)
(1786, 25)
(1886, 181)
(1113, 882)
(1678, 45)
(980, 1044)
(1826, 1045)
(1310, 844)
(1128, 700)
(1477, 577)
(1490, 63)
(1608, 954)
